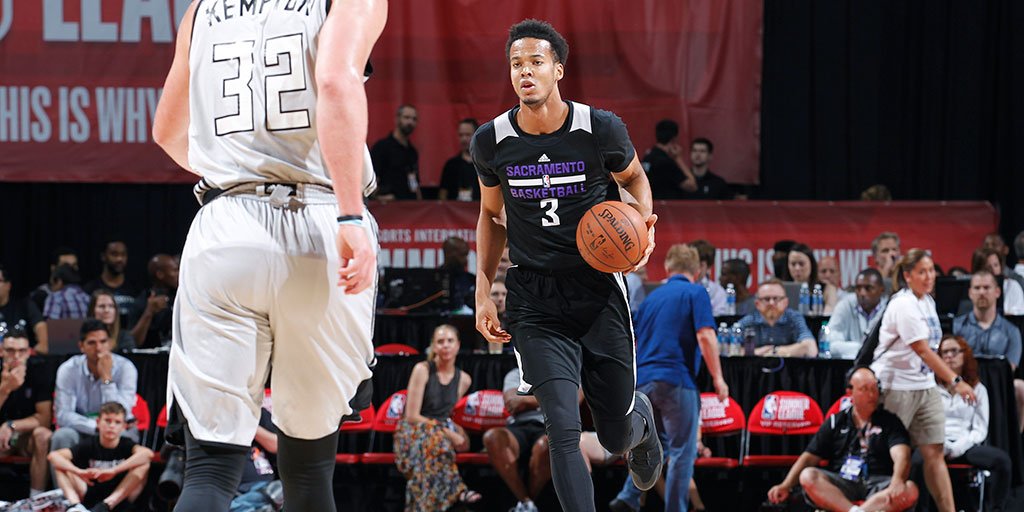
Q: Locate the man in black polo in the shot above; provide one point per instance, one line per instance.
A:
(396, 161)
(868, 450)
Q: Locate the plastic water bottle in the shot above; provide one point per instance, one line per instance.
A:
(730, 299)
(749, 341)
(805, 299)
(737, 339)
(817, 301)
(824, 346)
(724, 339)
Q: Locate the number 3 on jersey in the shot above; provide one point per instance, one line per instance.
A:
(550, 217)
(284, 71)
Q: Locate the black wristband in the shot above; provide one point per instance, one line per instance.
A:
(345, 218)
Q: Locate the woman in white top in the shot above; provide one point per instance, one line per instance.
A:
(907, 368)
(967, 425)
(1013, 295)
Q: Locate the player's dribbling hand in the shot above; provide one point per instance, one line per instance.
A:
(358, 259)
(651, 219)
(487, 322)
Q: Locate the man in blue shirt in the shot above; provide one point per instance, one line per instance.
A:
(674, 327)
(779, 331)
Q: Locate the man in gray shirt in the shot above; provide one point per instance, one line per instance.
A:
(855, 315)
(87, 381)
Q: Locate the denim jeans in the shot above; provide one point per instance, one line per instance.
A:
(251, 500)
(679, 412)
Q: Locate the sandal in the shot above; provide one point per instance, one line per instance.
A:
(469, 496)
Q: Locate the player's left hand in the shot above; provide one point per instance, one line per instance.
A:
(358, 259)
(651, 219)
(487, 322)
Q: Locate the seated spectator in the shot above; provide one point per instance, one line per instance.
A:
(988, 333)
(857, 314)
(61, 256)
(115, 259)
(87, 381)
(67, 300)
(1018, 249)
(885, 250)
(25, 407)
(874, 469)
(154, 326)
(518, 451)
(995, 242)
(1013, 295)
(104, 470)
(737, 272)
(426, 439)
(804, 269)
(780, 259)
(967, 424)
(666, 170)
(779, 331)
(104, 308)
(258, 488)
(709, 184)
(463, 282)
(706, 251)
(828, 272)
(458, 177)
(22, 312)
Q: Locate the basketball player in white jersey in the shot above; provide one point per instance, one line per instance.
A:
(265, 102)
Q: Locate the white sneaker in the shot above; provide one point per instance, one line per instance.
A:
(78, 507)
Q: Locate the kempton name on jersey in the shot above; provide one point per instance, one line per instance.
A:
(220, 10)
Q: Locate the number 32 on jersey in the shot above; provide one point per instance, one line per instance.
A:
(284, 71)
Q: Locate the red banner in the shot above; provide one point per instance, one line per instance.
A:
(80, 79)
(412, 233)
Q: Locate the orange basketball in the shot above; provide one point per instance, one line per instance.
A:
(612, 236)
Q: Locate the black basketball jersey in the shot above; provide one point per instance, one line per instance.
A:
(549, 181)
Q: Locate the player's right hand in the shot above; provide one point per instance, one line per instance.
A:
(487, 322)
(651, 220)
(358, 259)
(777, 494)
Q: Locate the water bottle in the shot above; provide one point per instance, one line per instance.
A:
(749, 341)
(817, 301)
(730, 299)
(805, 299)
(724, 339)
(737, 340)
(824, 346)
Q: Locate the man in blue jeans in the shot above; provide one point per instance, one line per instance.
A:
(674, 326)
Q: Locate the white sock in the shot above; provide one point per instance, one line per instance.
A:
(856, 508)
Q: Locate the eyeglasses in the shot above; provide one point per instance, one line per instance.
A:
(771, 300)
(951, 352)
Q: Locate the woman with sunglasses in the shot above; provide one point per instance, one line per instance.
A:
(967, 425)
(907, 369)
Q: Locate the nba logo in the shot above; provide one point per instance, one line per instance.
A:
(771, 407)
(547, 180)
(6, 17)
(397, 407)
(472, 403)
(845, 403)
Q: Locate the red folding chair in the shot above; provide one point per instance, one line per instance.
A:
(843, 403)
(384, 424)
(780, 413)
(395, 349)
(354, 431)
(479, 412)
(718, 419)
(141, 413)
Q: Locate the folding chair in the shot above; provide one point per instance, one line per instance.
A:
(780, 413)
(843, 403)
(720, 419)
(352, 432)
(382, 433)
(975, 478)
(479, 412)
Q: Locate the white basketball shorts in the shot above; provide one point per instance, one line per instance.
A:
(258, 289)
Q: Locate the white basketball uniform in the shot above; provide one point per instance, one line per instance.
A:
(260, 265)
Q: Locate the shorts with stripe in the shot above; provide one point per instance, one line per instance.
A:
(574, 325)
(257, 289)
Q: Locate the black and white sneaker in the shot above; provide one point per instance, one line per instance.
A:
(645, 459)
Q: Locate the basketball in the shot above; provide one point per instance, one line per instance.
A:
(612, 236)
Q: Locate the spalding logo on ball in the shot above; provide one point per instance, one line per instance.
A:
(612, 236)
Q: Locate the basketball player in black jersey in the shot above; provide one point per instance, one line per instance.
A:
(546, 162)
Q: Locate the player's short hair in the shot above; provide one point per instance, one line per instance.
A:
(113, 408)
(90, 325)
(665, 131)
(538, 29)
(682, 258)
(705, 141)
(884, 235)
(705, 250)
(471, 121)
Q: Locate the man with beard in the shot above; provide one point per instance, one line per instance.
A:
(115, 259)
(779, 331)
(396, 160)
(154, 326)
